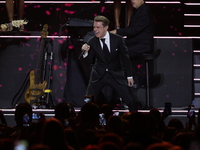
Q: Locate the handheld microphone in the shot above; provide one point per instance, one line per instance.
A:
(83, 51)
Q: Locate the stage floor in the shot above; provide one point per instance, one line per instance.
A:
(179, 113)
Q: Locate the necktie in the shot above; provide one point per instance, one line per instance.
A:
(105, 49)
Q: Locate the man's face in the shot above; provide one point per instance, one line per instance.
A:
(137, 3)
(99, 29)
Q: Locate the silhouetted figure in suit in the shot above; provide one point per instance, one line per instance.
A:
(140, 31)
(139, 39)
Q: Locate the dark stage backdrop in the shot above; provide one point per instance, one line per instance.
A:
(172, 80)
(169, 18)
(70, 75)
(20, 55)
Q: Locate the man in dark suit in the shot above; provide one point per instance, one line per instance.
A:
(112, 66)
(139, 40)
(140, 31)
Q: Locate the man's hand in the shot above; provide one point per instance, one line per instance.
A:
(85, 47)
(130, 82)
(113, 31)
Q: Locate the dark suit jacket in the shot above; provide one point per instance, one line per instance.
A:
(119, 64)
(140, 31)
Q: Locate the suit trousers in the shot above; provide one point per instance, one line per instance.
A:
(122, 90)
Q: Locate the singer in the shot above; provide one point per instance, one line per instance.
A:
(112, 66)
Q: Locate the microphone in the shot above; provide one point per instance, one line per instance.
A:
(83, 51)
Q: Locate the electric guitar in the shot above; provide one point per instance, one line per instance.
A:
(37, 86)
(14, 23)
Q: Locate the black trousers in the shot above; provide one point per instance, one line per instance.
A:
(122, 90)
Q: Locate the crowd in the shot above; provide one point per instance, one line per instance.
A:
(69, 130)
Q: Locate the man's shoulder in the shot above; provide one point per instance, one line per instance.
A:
(117, 36)
(146, 9)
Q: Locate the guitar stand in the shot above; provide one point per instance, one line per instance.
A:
(41, 101)
(44, 100)
(19, 93)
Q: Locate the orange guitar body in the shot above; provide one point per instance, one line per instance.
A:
(34, 91)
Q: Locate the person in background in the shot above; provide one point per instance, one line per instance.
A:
(23, 119)
(117, 12)
(140, 31)
(53, 135)
(139, 39)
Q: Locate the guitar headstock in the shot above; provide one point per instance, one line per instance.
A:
(44, 31)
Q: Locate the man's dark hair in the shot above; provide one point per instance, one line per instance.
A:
(102, 19)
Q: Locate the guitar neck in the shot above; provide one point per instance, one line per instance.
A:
(39, 67)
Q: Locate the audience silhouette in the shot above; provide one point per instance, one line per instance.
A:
(53, 135)
(23, 119)
(65, 113)
(125, 131)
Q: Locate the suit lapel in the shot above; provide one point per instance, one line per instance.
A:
(112, 45)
